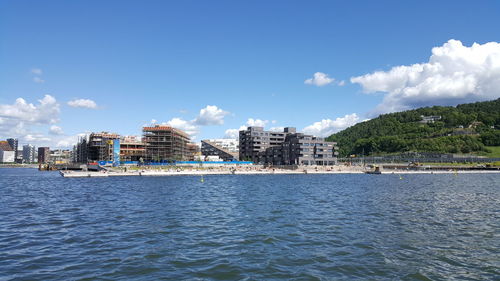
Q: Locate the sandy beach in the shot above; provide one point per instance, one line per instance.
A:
(256, 170)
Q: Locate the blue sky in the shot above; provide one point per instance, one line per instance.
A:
(144, 60)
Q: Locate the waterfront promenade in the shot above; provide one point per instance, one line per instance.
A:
(259, 170)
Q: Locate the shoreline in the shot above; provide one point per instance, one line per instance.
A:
(85, 174)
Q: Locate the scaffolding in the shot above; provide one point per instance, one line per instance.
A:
(165, 143)
(100, 146)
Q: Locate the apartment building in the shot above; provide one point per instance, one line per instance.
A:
(286, 148)
(254, 141)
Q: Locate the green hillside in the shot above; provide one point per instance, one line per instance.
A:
(462, 129)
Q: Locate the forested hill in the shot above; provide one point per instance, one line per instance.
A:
(461, 129)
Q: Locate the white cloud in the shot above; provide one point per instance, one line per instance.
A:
(319, 79)
(341, 83)
(35, 138)
(38, 80)
(36, 71)
(84, 103)
(232, 134)
(210, 115)
(68, 141)
(55, 130)
(277, 129)
(187, 126)
(46, 112)
(326, 127)
(454, 74)
(256, 122)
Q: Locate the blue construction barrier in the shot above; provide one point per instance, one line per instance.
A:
(104, 163)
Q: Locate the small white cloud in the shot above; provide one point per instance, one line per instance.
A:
(36, 71)
(38, 80)
(68, 141)
(210, 115)
(55, 130)
(35, 138)
(454, 74)
(256, 122)
(326, 127)
(153, 121)
(83, 103)
(273, 122)
(319, 79)
(232, 134)
(277, 129)
(341, 83)
(187, 126)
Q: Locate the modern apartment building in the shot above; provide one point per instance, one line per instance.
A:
(14, 143)
(286, 148)
(165, 143)
(29, 154)
(254, 141)
(43, 155)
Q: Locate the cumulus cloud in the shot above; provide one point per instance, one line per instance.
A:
(38, 80)
(319, 79)
(55, 130)
(46, 112)
(83, 103)
(326, 127)
(68, 141)
(454, 74)
(187, 126)
(256, 122)
(36, 138)
(234, 133)
(210, 115)
(277, 129)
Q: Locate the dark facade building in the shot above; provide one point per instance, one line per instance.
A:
(165, 143)
(80, 151)
(14, 143)
(43, 155)
(286, 148)
(254, 141)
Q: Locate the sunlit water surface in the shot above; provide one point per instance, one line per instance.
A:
(265, 227)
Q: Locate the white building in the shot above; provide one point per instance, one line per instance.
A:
(7, 153)
(7, 156)
(230, 145)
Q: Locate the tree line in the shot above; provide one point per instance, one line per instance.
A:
(464, 128)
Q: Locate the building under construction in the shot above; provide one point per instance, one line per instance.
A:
(164, 143)
(100, 146)
(131, 149)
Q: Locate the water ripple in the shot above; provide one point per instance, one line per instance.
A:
(272, 227)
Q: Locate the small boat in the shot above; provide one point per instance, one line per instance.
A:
(375, 171)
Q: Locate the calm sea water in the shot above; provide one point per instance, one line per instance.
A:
(272, 227)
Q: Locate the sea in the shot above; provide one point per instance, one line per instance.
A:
(249, 227)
